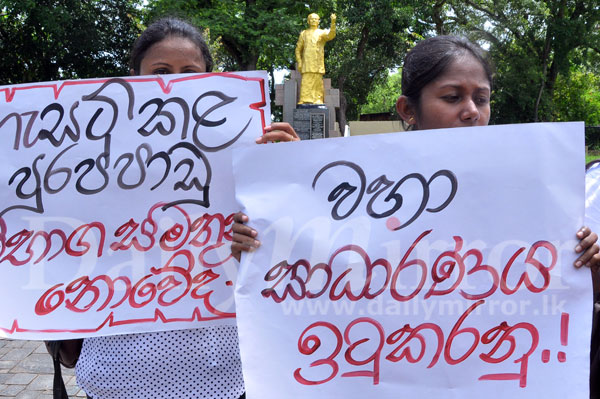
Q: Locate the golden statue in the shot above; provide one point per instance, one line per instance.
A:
(310, 59)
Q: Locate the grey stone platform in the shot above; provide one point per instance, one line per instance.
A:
(26, 371)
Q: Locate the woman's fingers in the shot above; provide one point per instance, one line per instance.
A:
(244, 237)
(278, 131)
(240, 217)
(588, 248)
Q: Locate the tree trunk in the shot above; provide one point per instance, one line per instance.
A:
(549, 76)
(544, 62)
(437, 17)
(560, 53)
(250, 65)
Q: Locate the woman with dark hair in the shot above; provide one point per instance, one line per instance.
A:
(446, 82)
(167, 34)
(193, 363)
(441, 73)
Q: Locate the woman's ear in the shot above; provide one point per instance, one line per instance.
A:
(131, 72)
(406, 110)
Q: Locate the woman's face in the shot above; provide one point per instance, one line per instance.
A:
(459, 97)
(172, 55)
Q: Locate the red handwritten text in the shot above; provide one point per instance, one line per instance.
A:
(292, 280)
(412, 344)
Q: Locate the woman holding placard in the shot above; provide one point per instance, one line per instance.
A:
(194, 363)
(446, 82)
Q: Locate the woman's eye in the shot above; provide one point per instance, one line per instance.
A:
(482, 100)
(451, 98)
(160, 71)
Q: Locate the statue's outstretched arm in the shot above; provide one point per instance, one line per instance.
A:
(331, 33)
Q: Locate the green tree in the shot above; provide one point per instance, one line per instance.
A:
(372, 38)
(532, 43)
(253, 33)
(383, 96)
(577, 97)
(262, 34)
(64, 39)
(246, 34)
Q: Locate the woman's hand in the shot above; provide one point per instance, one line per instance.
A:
(244, 237)
(588, 248)
(278, 131)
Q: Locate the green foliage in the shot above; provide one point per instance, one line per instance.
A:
(383, 96)
(546, 52)
(246, 35)
(516, 85)
(532, 42)
(63, 39)
(372, 38)
(577, 98)
(249, 34)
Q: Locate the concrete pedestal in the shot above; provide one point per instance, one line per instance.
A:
(311, 121)
(286, 94)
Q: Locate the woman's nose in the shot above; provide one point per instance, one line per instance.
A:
(470, 111)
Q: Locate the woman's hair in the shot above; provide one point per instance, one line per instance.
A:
(431, 57)
(160, 30)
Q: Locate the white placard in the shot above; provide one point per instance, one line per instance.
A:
(419, 264)
(117, 201)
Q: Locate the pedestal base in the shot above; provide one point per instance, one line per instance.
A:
(311, 121)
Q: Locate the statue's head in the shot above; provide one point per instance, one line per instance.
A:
(313, 20)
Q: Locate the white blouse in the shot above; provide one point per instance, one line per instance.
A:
(199, 363)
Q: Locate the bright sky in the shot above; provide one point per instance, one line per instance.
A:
(279, 75)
